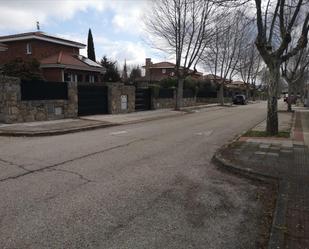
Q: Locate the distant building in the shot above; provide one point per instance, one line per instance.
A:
(216, 79)
(232, 86)
(163, 70)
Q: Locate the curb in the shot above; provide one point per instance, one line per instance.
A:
(219, 160)
(198, 107)
(54, 132)
(151, 119)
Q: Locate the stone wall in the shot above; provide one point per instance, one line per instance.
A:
(163, 103)
(160, 103)
(189, 102)
(115, 93)
(14, 110)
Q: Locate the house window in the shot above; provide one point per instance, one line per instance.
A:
(90, 78)
(163, 70)
(29, 48)
(67, 77)
(80, 78)
(74, 77)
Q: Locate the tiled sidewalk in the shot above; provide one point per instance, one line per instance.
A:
(288, 161)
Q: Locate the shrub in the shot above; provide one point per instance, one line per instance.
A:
(24, 69)
(168, 83)
(155, 89)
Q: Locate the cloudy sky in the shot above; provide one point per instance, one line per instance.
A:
(116, 25)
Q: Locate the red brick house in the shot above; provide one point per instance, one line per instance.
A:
(162, 70)
(59, 58)
(232, 87)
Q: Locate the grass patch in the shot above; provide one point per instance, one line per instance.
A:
(251, 133)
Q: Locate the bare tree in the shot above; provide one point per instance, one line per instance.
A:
(223, 54)
(293, 71)
(182, 28)
(249, 67)
(284, 16)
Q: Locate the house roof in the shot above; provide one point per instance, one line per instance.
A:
(3, 47)
(41, 36)
(211, 77)
(238, 82)
(163, 64)
(67, 60)
(166, 64)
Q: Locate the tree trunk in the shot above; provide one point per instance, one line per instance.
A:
(289, 99)
(179, 97)
(272, 102)
(253, 93)
(221, 94)
(247, 93)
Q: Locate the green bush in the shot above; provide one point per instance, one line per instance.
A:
(24, 69)
(168, 83)
(155, 89)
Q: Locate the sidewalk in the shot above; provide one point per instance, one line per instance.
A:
(49, 128)
(287, 161)
(63, 126)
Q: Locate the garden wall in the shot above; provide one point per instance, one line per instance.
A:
(166, 98)
(13, 109)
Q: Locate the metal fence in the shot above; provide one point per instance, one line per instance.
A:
(166, 93)
(43, 90)
(203, 93)
(188, 93)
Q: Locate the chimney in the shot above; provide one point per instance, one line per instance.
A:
(147, 67)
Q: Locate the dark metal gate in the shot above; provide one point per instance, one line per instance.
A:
(92, 100)
(142, 99)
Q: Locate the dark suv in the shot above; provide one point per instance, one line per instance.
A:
(239, 99)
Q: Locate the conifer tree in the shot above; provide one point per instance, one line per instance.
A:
(90, 47)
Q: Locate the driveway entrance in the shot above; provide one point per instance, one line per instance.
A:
(92, 100)
(142, 99)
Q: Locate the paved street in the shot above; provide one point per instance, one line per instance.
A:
(146, 185)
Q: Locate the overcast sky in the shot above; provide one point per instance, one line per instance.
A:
(116, 25)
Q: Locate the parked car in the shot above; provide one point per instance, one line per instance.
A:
(293, 99)
(240, 99)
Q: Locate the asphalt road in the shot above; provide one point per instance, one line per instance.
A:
(146, 185)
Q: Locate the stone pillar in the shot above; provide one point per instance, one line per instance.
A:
(72, 106)
(147, 68)
(9, 99)
(115, 91)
